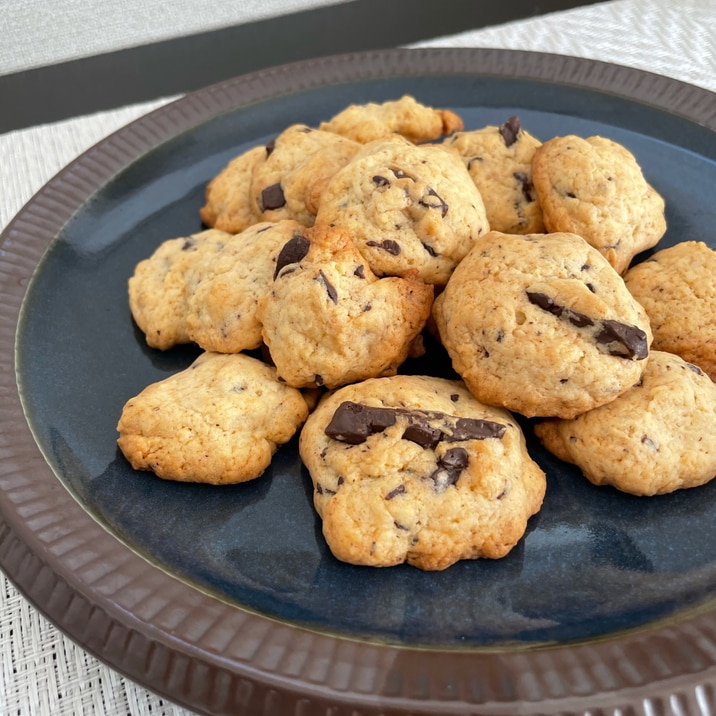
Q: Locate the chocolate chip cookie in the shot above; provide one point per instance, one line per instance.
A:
(161, 286)
(328, 320)
(219, 421)
(228, 204)
(499, 160)
(406, 116)
(408, 208)
(414, 469)
(676, 288)
(541, 324)
(659, 436)
(595, 188)
(299, 162)
(221, 310)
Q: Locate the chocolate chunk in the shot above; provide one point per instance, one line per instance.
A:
(623, 340)
(615, 338)
(189, 243)
(421, 432)
(510, 129)
(270, 147)
(475, 429)
(330, 289)
(272, 198)
(392, 247)
(694, 369)
(399, 490)
(434, 201)
(293, 251)
(380, 180)
(450, 465)
(353, 423)
(430, 249)
(360, 271)
(528, 189)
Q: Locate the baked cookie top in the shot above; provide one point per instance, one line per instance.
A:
(405, 116)
(676, 288)
(219, 421)
(299, 162)
(228, 204)
(595, 188)
(499, 160)
(221, 311)
(328, 320)
(414, 469)
(657, 437)
(541, 324)
(408, 208)
(161, 286)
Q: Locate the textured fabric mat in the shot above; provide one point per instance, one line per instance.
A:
(42, 672)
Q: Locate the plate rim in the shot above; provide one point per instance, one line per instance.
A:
(210, 656)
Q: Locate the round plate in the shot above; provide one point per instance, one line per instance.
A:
(227, 600)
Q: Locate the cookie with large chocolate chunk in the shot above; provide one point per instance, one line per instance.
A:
(161, 286)
(595, 188)
(405, 116)
(219, 421)
(499, 159)
(541, 324)
(408, 208)
(221, 310)
(300, 162)
(328, 320)
(228, 204)
(659, 436)
(676, 288)
(414, 469)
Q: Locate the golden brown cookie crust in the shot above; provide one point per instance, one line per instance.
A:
(595, 188)
(161, 286)
(219, 421)
(228, 203)
(388, 499)
(533, 323)
(499, 160)
(676, 288)
(408, 208)
(328, 320)
(657, 437)
(405, 116)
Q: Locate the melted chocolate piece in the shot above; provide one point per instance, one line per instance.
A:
(528, 189)
(330, 288)
(430, 249)
(400, 174)
(510, 129)
(379, 180)
(353, 422)
(399, 490)
(270, 147)
(360, 271)
(450, 465)
(392, 247)
(434, 201)
(623, 340)
(618, 339)
(272, 198)
(293, 251)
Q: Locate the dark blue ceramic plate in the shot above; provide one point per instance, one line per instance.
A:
(594, 561)
(594, 564)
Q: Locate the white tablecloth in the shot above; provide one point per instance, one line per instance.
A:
(42, 672)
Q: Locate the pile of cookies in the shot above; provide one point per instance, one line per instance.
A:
(337, 249)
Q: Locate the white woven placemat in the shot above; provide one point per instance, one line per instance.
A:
(42, 672)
